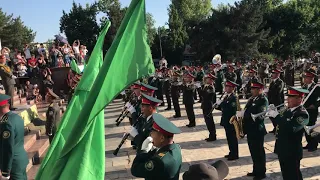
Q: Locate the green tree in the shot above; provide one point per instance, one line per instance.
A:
(13, 32)
(193, 10)
(80, 23)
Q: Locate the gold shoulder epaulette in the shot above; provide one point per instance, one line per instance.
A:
(161, 154)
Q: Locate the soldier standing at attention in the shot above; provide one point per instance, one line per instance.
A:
(239, 72)
(289, 134)
(255, 129)
(143, 127)
(312, 107)
(164, 163)
(134, 103)
(275, 93)
(175, 93)
(199, 78)
(229, 106)
(188, 101)
(13, 159)
(208, 99)
(8, 80)
(53, 119)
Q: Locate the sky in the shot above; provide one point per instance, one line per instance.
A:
(43, 15)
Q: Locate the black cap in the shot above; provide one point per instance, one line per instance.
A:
(202, 171)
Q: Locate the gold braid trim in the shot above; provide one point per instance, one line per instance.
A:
(5, 68)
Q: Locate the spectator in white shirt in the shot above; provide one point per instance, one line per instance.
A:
(76, 50)
(27, 52)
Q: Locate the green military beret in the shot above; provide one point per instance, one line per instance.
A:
(4, 99)
(149, 100)
(164, 126)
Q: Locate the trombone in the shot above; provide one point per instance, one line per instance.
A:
(255, 116)
(312, 130)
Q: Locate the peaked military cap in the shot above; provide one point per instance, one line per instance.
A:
(231, 84)
(149, 100)
(277, 71)
(136, 85)
(203, 171)
(310, 73)
(257, 85)
(4, 99)
(252, 71)
(189, 75)
(164, 126)
(209, 75)
(148, 88)
(292, 91)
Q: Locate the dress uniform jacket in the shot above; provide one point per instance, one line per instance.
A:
(238, 72)
(248, 85)
(275, 93)
(288, 145)
(229, 109)
(188, 94)
(219, 80)
(7, 81)
(13, 159)
(312, 100)
(231, 76)
(137, 106)
(254, 106)
(144, 127)
(53, 120)
(163, 164)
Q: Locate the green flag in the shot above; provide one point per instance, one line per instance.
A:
(128, 59)
(83, 166)
(74, 67)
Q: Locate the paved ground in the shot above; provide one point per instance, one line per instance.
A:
(195, 149)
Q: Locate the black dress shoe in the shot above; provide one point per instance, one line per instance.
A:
(259, 177)
(232, 158)
(312, 149)
(251, 174)
(227, 156)
(210, 139)
(167, 109)
(190, 125)
(176, 116)
(306, 147)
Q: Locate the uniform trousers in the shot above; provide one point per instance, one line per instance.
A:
(312, 142)
(255, 143)
(168, 99)
(190, 113)
(9, 90)
(290, 168)
(176, 106)
(232, 140)
(208, 118)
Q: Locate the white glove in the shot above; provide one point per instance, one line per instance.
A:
(131, 109)
(198, 85)
(271, 107)
(154, 78)
(272, 113)
(218, 102)
(243, 85)
(5, 178)
(266, 90)
(14, 77)
(147, 144)
(240, 114)
(133, 132)
(128, 104)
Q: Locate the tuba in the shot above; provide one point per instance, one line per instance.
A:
(237, 122)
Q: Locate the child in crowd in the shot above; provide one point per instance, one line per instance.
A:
(36, 94)
(22, 69)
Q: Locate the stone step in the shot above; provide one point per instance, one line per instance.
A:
(30, 139)
(38, 149)
(31, 173)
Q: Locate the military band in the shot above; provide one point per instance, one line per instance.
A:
(206, 83)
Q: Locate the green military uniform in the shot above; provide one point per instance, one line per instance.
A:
(8, 82)
(13, 159)
(289, 134)
(53, 119)
(144, 124)
(162, 164)
(255, 130)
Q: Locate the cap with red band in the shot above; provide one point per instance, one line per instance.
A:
(231, 84)
(4, 99)
(252, 71)
(292, 91)
(149, 100)
(164, 126)
(136, 86)
(257, 85)
(310, 73)
(148, 88)
(276, 71)
(211, 76)
(189, 75)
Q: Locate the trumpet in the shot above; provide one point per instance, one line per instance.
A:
(263, 114)
(312, 130)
